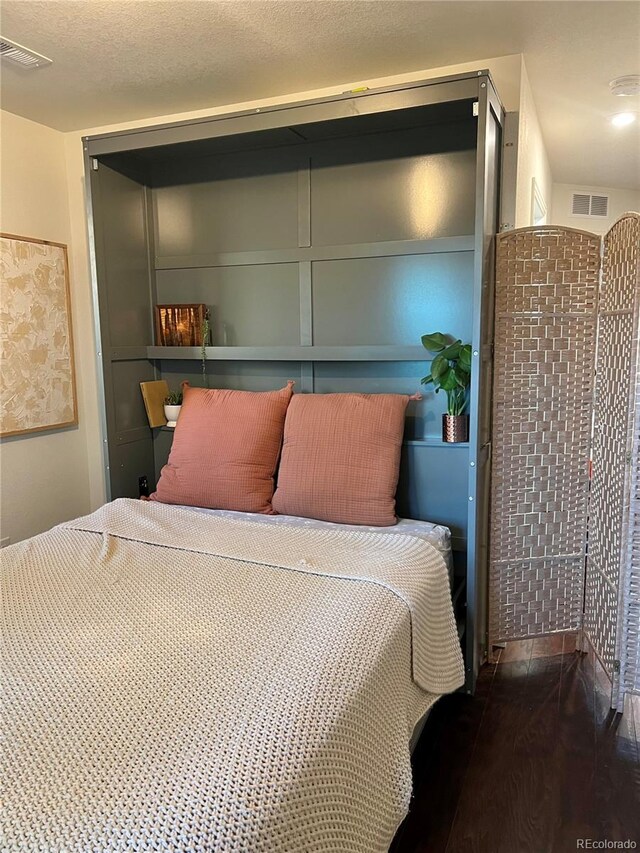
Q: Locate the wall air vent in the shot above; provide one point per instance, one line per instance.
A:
(17, 54)
(585, 204)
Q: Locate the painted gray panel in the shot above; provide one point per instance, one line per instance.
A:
(406, 198)
(158, 166)
(128, 463)
(433, 485)
(249, 305)
(181, 169)
(383, 301)
(424, 417)
(431, 119)
(128, 406)
(241, 375)
(124, 259)
(119, 208)
(238, 212)
(345, 251)
(345, 106)
(162, 440)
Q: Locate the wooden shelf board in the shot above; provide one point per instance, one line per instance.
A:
(435, 442)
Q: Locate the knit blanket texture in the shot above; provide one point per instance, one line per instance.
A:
(181, 682)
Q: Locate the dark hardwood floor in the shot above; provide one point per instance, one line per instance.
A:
(533, 762)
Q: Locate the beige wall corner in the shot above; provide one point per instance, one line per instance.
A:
(533, 163)
(43, 477)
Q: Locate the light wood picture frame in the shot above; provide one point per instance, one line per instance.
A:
(37, 371)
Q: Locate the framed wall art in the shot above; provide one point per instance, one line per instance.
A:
(180, 325)
(37, 376)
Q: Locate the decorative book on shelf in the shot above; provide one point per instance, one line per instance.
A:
(153, 394)
(180, 325)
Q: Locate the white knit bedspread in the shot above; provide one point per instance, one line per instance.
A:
(180, 682)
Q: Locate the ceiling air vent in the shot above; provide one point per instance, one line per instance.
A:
(20, 55)
(585, 204)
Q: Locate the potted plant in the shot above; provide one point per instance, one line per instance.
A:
(206, 332)
(451, 372)
(172, 406)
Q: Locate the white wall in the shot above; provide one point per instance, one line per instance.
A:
(44, 477)
(620, 201)
(532, 158)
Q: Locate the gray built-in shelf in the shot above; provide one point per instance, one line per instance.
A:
(325, 237)
(290, 353)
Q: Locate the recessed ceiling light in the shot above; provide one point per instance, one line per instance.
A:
(626, 86)
(623, 119)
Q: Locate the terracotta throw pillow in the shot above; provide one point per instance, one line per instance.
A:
(225, 449)
(341, 458)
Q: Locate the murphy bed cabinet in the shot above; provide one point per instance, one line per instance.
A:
(325, 237)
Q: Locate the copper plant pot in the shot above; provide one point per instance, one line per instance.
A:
(455, 428)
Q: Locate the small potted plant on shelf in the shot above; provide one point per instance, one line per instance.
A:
(451, 372)
(172, 406)
(206, 334)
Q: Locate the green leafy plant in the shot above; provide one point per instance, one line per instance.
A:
(206, 328)
(173, 398)
(450, 370)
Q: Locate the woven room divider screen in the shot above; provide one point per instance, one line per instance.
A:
(612, 596)
(545, 336)
(554, 310)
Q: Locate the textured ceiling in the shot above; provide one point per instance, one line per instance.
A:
(123, 60)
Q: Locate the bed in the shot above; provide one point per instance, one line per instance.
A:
(436, 535)
(203, 681)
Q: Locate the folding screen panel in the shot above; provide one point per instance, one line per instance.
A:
(612, 596)
(546, 299)
(629, 680)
